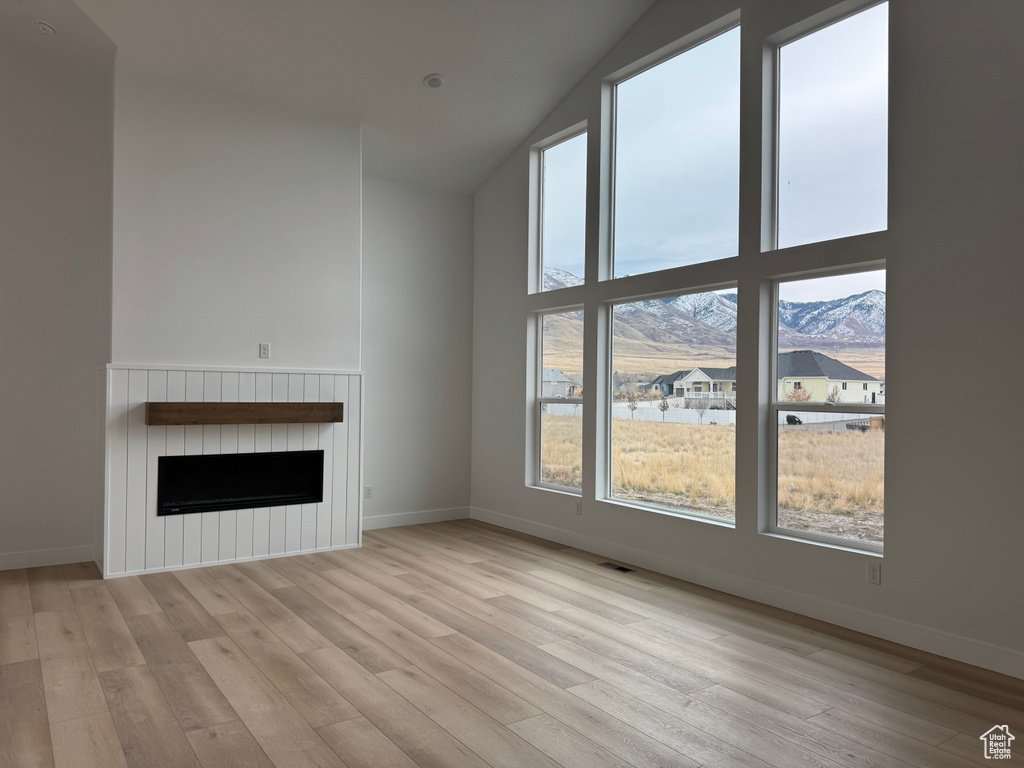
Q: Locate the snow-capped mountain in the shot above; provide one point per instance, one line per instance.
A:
(859, 318)
(666, 321)
(555, 278)
(715, 309)
(710, 318)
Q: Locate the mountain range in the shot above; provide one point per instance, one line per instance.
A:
(857, 320)
(705, 323)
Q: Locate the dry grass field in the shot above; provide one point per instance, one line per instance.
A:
(692, 467)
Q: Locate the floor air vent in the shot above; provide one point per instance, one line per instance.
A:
(619, 568)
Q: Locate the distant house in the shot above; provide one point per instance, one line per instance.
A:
(820, 374)
(665, 385)
(555, 384)
(715, 384)
(811, 371)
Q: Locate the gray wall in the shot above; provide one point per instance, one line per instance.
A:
(417, 342)
(234, 224)
(55, 271)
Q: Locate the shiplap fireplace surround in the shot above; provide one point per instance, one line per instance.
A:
(137, 540)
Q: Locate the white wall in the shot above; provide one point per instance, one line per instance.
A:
(954, 529)
(55, 213)
(417, 342)
(233, 225)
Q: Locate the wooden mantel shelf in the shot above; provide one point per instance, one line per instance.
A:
(177, 414)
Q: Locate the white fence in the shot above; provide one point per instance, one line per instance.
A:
(647, 411)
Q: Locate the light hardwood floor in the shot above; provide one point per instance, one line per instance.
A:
(460, 644)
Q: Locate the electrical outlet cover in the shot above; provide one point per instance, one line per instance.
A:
(874, 573)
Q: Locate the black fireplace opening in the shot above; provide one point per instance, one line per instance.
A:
(217, 482)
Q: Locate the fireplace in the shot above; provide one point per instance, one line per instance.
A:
(212, 483)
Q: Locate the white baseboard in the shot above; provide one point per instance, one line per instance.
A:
(40, 557)
(414, 518)
(968, 650)
(229, 562)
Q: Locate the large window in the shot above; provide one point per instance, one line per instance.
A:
(694, 292)
(829, 406)
(559, 401)
(677, 154)
(563, 201)
(673, 413)
(833, 100)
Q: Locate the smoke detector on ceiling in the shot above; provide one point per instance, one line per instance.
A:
(434, 80)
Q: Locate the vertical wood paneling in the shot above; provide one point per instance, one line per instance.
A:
(210, 551)
(135, 524)
(341, 482)
(156, 446)
(352, 472)
(136, 539)
(192, 551)
(326, 442)
(264, 439)
(293, 512)
(117, 471)
(174, 525)
(246, 444)
(310, 442)
(278, 442)
(228, 444)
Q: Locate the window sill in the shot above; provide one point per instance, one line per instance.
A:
(859, 548)
(694, 516)
(562, 489)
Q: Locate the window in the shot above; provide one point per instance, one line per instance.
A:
(559, 405)
(677, 160)
(661, 429)
(832, 123)
(563, 199)
(677, 454)
(829, 448)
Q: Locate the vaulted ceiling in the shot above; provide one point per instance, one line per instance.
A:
(506, 63)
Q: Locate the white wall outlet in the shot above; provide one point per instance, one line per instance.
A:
(579, 507)
(874, 573)
(367, 491)
(264, 351)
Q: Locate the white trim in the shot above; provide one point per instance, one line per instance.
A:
(687, 42)
(399, 519)
(1008, 661)
(535, 277)
(35, 558)
(190, 566)
(229, 369)
(568, 490)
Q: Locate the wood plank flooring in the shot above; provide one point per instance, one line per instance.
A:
(454, 645)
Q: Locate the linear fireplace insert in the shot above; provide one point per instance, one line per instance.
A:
(216, 482)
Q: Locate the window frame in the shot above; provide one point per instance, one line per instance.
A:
(605, 491)
(770, 129)
(775, 406)
(755, 273)
(535, 467)
(610, 108)
(535, 276)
